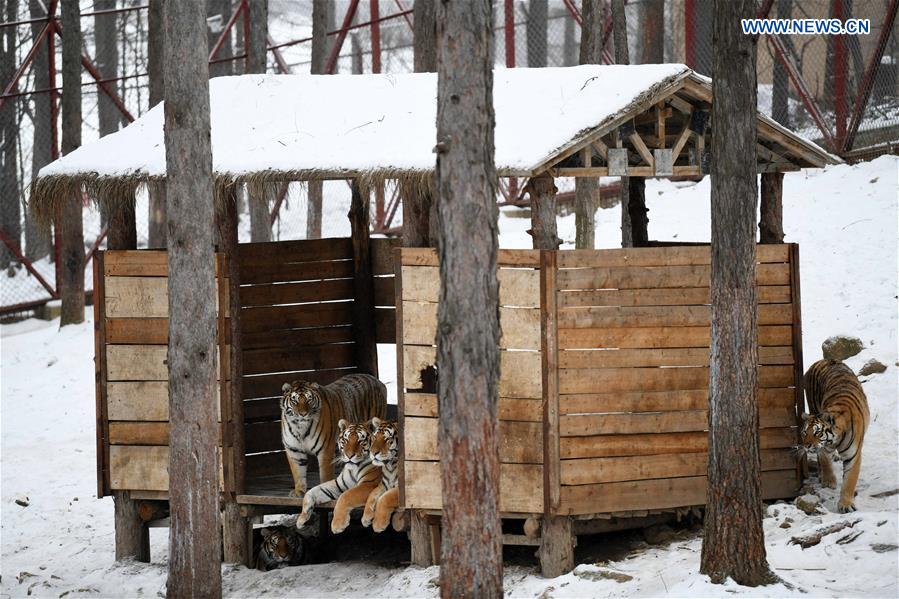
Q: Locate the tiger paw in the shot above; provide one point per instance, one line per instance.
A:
(303, 518)
(340, 525)
(379, 526)
(844, 507)
(366, 520)
(297, 492)
(829, 482)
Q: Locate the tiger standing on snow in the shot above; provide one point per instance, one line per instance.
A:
(309, 420)
(836, 424)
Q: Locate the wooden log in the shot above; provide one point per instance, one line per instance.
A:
(237, 536)
(542, 191)
(420, 539)
(363, 304)
(132, 537)
(556, 552)
(771, 226)
(532, 527)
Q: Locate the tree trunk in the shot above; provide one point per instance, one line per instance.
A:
(71, 256)
(156, 223)
(733, 542)
(10, 202)
(215, 10)
(37, 234)
(771, 222)
(132, 536)
(195, 534)
(780, 109)
(468, 314)
(118, 213)
(569, 43)
(586, 190)
(258, 194)
(637, 210)
(536, 33)
(356, 52)
(363, 291)
(619, 34)
(544, 232)
(322, 10)
(702, 36)
(419, 217)
(653, 21)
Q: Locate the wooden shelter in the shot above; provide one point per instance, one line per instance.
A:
(604, 352)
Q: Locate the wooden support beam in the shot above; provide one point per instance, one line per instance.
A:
(681, 142)
(602, 149)
(237, 536)
(132, 536)
(556, 550)
(661, 114)
(587, 156)
(363, 285)
(542, 190)
(680, 104)
(420, 539)
(771, 227)
(641, 148)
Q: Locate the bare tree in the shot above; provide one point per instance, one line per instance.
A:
(587, 189)
(258, 194)
(619, 36)
(155, 56)
(218, 12)
(780, 110)
(536, 32)
(10, 203)
(71, 252)
(419, 218)
(37, 233)
(652, 17)
(468, 314)
(195, 535)
(733, 544)
(321, 10)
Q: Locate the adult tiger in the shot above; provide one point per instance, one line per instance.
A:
(384, 453)
(354, 483)
(309, 416)
(280, 547)
(836, 424)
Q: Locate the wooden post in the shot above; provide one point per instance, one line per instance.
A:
(237, 538)
(363, 301)
(798, 367)
(420, 539)
(771, 220)
(637, 210)
(556, 551)
(543, 229)
(132, 536)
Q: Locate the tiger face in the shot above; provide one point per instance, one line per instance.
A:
(301, 400)
(353, 442)
(278, 549)
(818, 431)
(385, 442)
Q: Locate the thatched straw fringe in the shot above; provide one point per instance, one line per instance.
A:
(48, 194)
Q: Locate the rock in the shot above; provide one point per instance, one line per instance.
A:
(787, 523)
(658, 534)
(808, 503)
(872, 366)
(22, 500)
(884, 547)
(840, 347)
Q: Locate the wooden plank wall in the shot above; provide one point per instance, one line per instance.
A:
(297, 323)
(520, 387)
(132, 385)
(633, 376)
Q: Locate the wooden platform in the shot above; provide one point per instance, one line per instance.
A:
(274, 489)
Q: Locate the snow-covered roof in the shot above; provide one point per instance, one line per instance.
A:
(357, 123)
(300, 127)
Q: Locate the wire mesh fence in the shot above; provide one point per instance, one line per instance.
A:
(812, 84)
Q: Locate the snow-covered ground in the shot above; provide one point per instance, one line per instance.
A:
(845, 219)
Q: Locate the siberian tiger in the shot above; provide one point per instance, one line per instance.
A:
(354, 483)
(280, 547)
(836, 424)
(309, 416)
(382, 501)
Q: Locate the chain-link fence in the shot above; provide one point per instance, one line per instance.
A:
(809, 83)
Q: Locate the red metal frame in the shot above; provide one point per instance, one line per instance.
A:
(509, 12)
(29, 266)
(341, 36)
(375, 46)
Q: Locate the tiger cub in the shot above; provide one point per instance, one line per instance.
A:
(382, 501)
(309, 416)
(354, 483)
(836, 424)
(280, 547)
